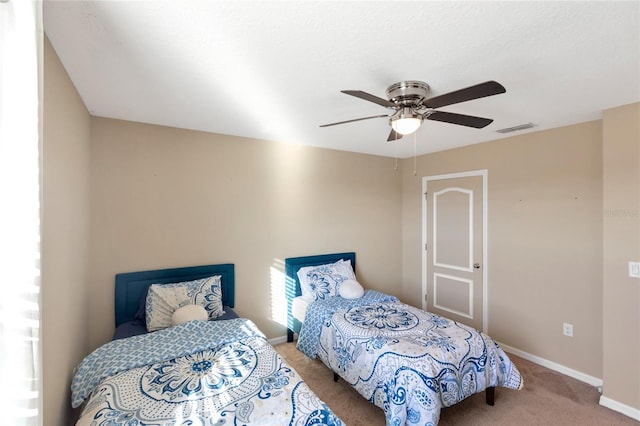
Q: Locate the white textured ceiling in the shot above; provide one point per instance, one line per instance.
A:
(273, 70)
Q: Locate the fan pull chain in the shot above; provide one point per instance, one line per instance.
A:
(414, 153)
(395, 168)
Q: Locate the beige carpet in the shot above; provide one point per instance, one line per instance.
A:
(548, 398)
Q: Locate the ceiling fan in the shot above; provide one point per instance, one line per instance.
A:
(411, 106)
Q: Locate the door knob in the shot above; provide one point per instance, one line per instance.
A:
(476, 266)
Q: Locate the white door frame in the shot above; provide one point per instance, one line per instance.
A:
(485, 252)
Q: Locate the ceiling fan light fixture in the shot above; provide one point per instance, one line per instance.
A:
(406, 121)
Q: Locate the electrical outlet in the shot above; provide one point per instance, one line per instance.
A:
(634, 269)
(567, 329)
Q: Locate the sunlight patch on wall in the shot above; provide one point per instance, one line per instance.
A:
(278, 296)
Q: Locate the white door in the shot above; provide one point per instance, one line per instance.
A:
(455, 247)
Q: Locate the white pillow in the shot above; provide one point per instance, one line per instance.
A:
(189, 313)
(322, 281)
(350, 289)
(164, 299)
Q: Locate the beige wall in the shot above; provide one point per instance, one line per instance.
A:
(621, 244)
(65, 237)
(165, 197)
(544, 239)
(563, 223)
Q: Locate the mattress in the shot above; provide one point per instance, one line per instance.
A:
(299, 307)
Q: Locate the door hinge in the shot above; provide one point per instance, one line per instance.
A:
(425, 246)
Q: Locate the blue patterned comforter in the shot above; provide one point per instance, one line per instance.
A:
(321, 310)
(197, 373)
(409, 362)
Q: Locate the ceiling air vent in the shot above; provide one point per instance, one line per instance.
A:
(516, 128)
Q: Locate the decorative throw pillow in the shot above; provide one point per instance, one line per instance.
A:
(322, 281)
(189, 313)
(164, 299)
(350, 289)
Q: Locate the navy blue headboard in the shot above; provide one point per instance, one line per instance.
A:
(131, 287)
(292, 283)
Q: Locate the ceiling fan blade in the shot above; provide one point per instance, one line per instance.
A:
(351, 121)
(394, 136)
(463, 120)
(488, 88)
(369, 97)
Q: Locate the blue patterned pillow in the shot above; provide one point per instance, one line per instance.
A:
(323, 281)
(164, 299)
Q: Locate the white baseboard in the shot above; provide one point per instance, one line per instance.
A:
(594, 381)
(634, 413)
(278, 340)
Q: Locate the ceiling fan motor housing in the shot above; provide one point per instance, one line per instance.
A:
(407, 93)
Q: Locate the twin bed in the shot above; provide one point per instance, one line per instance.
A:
(222, 370)
(218, 371)
(406, 361)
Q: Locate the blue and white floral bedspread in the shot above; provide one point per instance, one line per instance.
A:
(197, 373)
(411, 363)
(320, 311)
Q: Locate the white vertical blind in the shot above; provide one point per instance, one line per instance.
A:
(20, 365)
